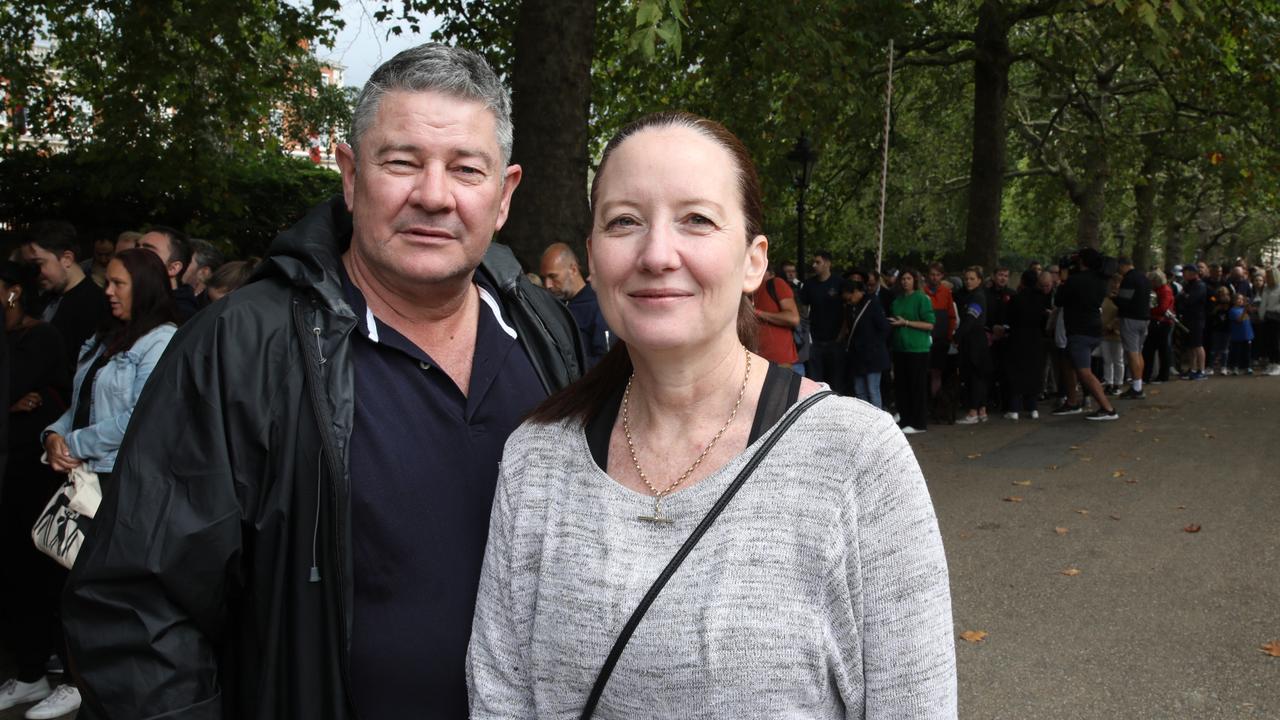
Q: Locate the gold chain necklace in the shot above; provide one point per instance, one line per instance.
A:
(657, 516)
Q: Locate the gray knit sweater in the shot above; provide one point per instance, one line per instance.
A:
(821, 592)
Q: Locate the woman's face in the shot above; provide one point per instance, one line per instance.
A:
(971, 281)
(119, 290)
(908, 282)
(668, 251)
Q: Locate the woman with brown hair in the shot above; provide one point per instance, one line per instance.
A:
(828, 556)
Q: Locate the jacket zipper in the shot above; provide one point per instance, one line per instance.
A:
(314, 366)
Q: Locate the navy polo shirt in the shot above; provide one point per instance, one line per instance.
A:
(424, 465)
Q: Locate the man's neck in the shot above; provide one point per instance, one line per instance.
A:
(74, 278)
(824, 276)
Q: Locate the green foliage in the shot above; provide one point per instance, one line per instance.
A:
(171, 111)
(241, 202)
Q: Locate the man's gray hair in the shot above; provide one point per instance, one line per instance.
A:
(439, 68)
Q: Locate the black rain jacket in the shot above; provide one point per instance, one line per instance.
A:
(216, 580)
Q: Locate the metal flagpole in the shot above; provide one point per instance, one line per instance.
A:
(884, 167)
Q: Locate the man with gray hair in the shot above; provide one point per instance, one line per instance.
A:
(297, 518)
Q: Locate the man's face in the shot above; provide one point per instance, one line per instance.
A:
(559, 276)
(1203, 268)
(53, 269)
(1045, 283)
(428, 189)
(103, 249)
(873, 283)
(158, 243)
(1001, 279)
(935, 276)
(821, 265)
(789, 272)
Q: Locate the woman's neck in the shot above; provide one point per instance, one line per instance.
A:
(689, 386)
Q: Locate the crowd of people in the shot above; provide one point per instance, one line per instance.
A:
(1079, 333)
(82, 337)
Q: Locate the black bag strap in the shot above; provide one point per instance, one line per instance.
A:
(636, 616)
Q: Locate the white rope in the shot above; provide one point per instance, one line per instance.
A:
(884, 166)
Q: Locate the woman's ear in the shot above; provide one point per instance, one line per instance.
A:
(756, 264)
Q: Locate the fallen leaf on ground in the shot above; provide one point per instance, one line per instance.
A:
(1051, 467)
(1071, 572)
(1209, 435)
(1013, 498)
(1023, 483)
(973, 636)
(965, 536)
(1155, 439)
(1132, 481)
(1138, 430)
(1075, 447)
(1114, 517)
(1086, 459)
(973, 456)
(1181, 507)
(1118, 474)
(1272, 648)
(1082, 511)
(1061, 530)
(1192, 528)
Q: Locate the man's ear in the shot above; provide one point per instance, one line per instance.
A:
(346, 158)
(67, 259)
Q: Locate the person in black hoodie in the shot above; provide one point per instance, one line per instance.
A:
(1192, 305)
(867, 344)
(975, 350)
(1134, 303)
(299, 509)
(1026, 344)
(1080, 298)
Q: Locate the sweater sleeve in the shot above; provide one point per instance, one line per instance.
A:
(498, 679)
(908, 652)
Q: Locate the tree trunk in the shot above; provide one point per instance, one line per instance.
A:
(1144, 199)
(1092, 197)
(1173, 245)
(987, 166)
(551, 93)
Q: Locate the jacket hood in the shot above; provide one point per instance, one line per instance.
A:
(307, 255)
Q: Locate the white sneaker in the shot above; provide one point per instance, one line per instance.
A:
(968, 420)
(1011, 416)
(1035, 415)
(64, 701)
(908, 430)
(1272, 369)
(14, 692)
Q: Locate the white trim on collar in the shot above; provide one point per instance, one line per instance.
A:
(371, 324)
(497, 311)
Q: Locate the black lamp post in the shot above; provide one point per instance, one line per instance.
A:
(804, 157)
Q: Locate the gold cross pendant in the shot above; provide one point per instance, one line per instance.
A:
(657, 517)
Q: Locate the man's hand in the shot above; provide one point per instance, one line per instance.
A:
(27, 403)
(55, 446)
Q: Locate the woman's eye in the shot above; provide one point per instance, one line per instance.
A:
(703, 220)
(624, 221)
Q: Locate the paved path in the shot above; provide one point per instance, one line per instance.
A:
(1159, 623)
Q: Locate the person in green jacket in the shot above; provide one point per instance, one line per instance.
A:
(912, 322)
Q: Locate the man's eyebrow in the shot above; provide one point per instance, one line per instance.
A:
(411, 148)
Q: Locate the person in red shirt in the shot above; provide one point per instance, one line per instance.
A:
(776, 311)
(939, 293)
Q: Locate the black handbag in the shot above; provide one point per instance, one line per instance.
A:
(638, 614)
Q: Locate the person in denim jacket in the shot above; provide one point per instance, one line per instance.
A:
(114, 365)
